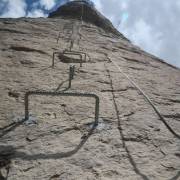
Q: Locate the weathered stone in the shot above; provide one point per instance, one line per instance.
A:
(130, 143)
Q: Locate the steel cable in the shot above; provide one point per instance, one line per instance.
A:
(147, 99)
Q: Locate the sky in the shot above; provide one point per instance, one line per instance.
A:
(153, 25)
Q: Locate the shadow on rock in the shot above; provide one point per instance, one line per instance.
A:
(176, 177)
(24, 156)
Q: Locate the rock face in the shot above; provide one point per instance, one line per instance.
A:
(85, 11)
(59, 140)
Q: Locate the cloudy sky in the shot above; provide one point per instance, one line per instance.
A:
(151, 24)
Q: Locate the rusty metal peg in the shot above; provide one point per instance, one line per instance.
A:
(72, 69)
(59, 35)
(53, 59)
(71, 75)
(71, 94)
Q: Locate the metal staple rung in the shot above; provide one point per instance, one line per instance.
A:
(75, 94)
(79, 52)
(71, 53)
(75, 53)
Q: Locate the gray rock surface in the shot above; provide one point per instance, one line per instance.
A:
(130, 142)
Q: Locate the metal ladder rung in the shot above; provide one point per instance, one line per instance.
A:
(71, 94)
(67, 52)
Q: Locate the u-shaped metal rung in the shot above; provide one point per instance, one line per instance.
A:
(72, 94)
(71, 53)
(74, 53)
(79, 52)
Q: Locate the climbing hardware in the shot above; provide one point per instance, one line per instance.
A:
(66, 57)
(72, 94)
(147, 98)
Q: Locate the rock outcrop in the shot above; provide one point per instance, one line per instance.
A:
(87, 12)
(59, 140)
